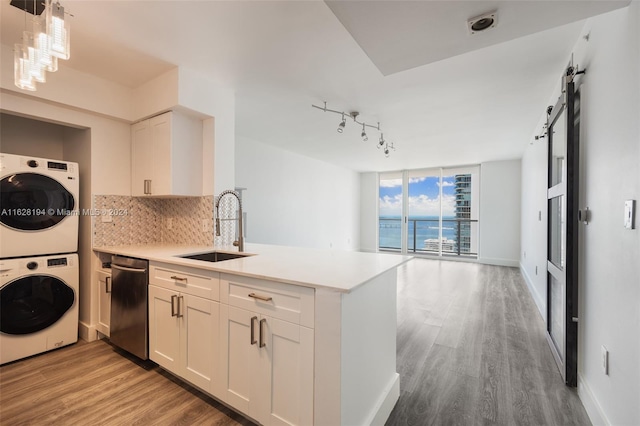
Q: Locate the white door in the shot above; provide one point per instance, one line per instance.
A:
(199, 340)
(238, 334)
(141, 149)
(104, 302)
(285, 360)
(164, 328)
(160, 154)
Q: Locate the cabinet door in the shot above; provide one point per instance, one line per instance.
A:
(238, 357)
(141, 160)
(285, 373)
(164, 328)
(160, 154)
(199, 340)
(104, 302)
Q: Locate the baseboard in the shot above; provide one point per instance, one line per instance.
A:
(590, 403)
(534, 293)
(384, 406)
(87, 332)
(499, 262)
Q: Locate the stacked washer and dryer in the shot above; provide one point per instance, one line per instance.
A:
(39, 272)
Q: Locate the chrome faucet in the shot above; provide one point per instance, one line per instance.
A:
(240, 241)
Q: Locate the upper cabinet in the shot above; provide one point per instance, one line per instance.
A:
(166, 156)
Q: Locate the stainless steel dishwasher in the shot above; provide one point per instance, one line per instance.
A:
(129, 288)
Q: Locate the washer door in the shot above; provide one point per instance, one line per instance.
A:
(33, 303)
(33, 202)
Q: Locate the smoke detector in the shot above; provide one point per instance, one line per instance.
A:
(482, 23)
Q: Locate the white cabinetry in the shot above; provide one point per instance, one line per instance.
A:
(267, 339)
(183, 326)
(104, 301)
(166, 156)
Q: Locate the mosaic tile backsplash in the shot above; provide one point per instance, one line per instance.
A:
(138, 220)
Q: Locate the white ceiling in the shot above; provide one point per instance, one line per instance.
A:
(475, 100)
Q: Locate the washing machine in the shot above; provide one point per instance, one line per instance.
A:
(38, 305)
(39, 206)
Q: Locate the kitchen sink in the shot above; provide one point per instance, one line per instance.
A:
(215, 256)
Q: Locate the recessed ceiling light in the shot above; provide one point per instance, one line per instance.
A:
(482, 22)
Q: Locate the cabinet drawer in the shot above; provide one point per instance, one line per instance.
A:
(284, 301)
(197, 282)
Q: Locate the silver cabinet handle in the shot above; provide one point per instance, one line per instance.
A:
(262, 342)
(107, 281)
(253, 331)
(180, 306)
(259, 297)
(147, 186)
(173, 277)
(173, 305)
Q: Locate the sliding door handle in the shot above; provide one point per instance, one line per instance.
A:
(253, 331)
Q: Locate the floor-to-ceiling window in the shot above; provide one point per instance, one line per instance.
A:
(430, 211)
(390, 212)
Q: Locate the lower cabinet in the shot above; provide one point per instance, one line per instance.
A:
(267, 366)
(104, 302)
(183, 335)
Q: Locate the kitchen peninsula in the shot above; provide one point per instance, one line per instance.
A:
(284, 335)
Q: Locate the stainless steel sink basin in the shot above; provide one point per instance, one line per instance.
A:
(215, 256)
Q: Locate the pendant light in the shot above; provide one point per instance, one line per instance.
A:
(46, 41)
(58, 29)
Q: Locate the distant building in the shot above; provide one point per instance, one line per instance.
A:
(431, 244)
(463, 210)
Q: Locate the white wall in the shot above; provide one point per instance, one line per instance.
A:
(610, 174)
(369, 212)
(533, 232)
(295, 200)
(500, 213)
(24, 136)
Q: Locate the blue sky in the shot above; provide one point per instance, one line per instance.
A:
(424, 196)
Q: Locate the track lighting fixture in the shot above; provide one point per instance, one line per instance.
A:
(354, 115)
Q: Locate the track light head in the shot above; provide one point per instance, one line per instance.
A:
(363, 135)
(341, 126)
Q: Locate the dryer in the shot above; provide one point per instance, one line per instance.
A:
(39, 206)
(38, 305)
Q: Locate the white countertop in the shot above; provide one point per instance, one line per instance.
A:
(334, 269)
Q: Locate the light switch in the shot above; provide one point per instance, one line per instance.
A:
(629, 214)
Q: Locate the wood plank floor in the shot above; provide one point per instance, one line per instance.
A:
(96, 384)
(471, 351)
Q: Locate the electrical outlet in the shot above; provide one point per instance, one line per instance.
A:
(169, 223)
(205, 225)
(605, 360)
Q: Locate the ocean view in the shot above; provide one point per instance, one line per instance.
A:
(390, 230)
